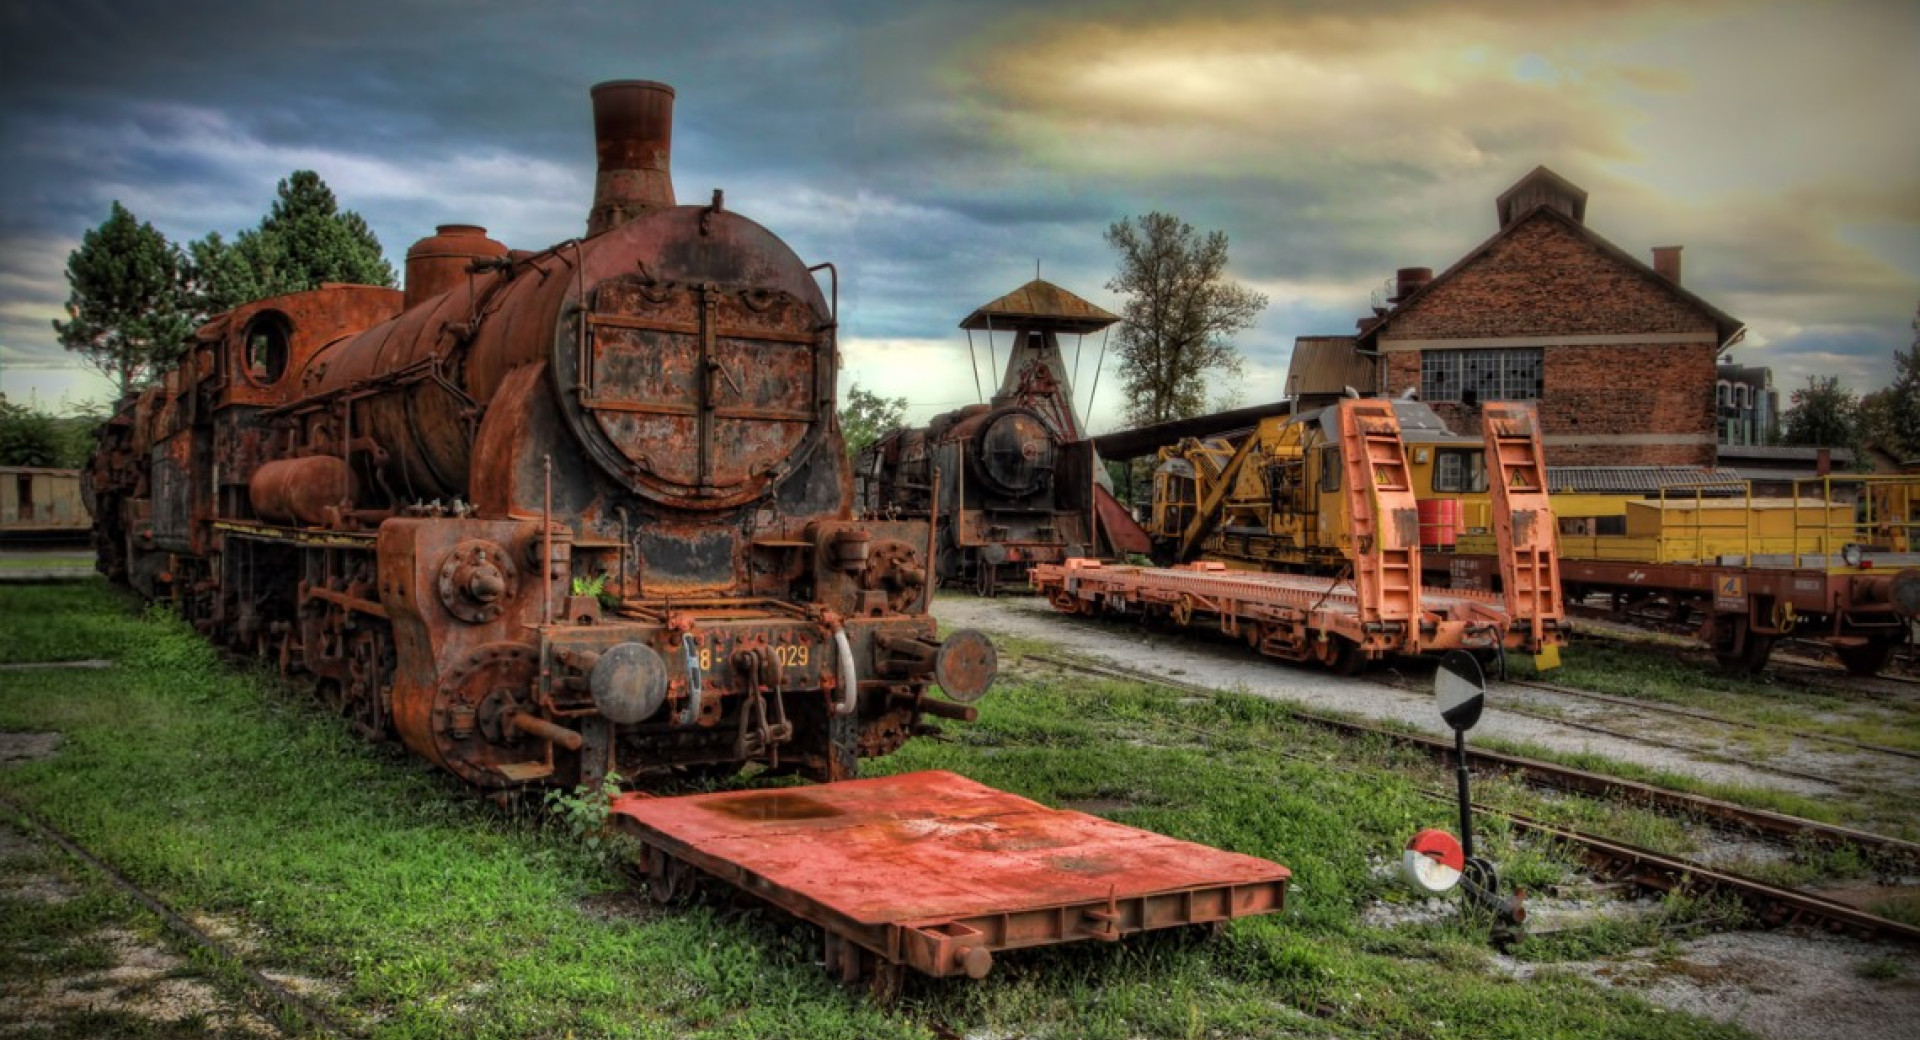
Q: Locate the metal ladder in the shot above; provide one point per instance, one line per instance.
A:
(1524, 527)
(1382, 517)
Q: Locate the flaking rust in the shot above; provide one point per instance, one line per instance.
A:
(546, 515)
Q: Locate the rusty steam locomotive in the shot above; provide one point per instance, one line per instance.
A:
(547, 515)
(1011, 482)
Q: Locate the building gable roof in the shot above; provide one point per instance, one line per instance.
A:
(1728, 328)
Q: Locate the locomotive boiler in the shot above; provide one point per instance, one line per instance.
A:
(548, 515)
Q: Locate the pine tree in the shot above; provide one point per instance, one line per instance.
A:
(304, 240)
(127, 317)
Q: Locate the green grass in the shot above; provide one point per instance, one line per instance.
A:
(59, 943)
(46, 561)
(1691, 680)
(440, 916)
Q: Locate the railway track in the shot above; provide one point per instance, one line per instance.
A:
(296, 1015)
(1807, 657)
(1771, 903)
(1707, 716)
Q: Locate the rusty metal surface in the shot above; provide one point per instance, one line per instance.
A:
(926, 868)
(447, 508)
(1040, 303)
(1290, 616)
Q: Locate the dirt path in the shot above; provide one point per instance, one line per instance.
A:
(1780, 985)
(1226, 665)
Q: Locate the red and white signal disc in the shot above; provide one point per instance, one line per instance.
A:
(1433, 861)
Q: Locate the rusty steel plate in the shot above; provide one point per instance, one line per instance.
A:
(935, 871)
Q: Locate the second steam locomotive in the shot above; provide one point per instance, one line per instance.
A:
(547, 515)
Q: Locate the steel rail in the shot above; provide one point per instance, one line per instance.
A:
(1707, 716)
(1566, 778)
(1774, 905)
(311, 1017)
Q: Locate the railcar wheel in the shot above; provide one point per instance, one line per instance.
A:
(1350, 659)
(1183, 610)
(1866, 659)
(886, 982)
(983, 581)
(1754, 649)
(668, 879)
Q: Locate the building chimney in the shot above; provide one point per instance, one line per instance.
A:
(1823, 462)
(1666, 262)
(1409, 280)
(633, 133)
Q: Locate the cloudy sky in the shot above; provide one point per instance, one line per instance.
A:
(935, 151)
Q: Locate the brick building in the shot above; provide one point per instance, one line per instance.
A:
(1618, 355)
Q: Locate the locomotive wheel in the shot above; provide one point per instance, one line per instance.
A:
(1866, 659)
(332, 695)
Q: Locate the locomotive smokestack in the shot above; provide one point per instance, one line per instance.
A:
(633, 132)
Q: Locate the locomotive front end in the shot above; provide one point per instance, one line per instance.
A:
(659, 568)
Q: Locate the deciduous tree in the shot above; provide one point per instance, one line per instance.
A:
(1181, 310)
(32, 437)
(1824, 414)
(867, 417)
(126, 316)
(1891, 416)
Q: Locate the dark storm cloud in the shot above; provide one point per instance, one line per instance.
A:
(935, 151)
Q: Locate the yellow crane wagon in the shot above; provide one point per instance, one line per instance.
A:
(1835, 561)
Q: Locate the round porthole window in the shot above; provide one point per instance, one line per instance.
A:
(265, 347)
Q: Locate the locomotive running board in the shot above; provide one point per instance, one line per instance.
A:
(936, 872)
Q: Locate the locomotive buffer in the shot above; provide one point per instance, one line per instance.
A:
(936, 872)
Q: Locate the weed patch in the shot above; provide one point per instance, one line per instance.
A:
(424, 912)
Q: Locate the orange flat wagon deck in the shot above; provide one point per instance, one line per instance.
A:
(936, 872)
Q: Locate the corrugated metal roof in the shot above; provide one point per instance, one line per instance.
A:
(1782, 453)
(1040, 304)
(1328, 365)
(1640, 480)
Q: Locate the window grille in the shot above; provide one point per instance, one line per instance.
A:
(1483, 375)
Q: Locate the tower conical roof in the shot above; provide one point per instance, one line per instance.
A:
(1040, 305)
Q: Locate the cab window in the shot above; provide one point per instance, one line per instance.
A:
(1461, 471)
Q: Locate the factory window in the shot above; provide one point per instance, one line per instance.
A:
(1474, 376)
(1460, 470)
